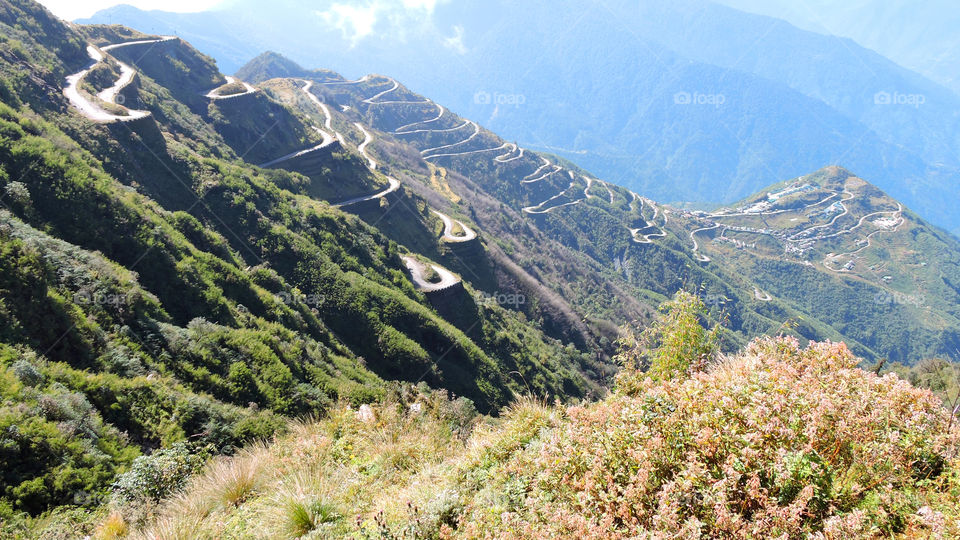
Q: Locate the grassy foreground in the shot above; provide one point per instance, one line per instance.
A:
(779, 441)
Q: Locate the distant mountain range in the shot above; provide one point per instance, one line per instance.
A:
(921, 36)
(828, 248)
(687, 101)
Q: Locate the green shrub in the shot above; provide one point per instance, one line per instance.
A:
(673, 346)
(156, 476)
(27, 373)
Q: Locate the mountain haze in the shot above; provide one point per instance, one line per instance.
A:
(616, 104)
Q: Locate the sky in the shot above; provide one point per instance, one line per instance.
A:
(76, 9)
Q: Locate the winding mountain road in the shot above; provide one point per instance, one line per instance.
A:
(394, 185)
(696, 246)
(898, 214)
(476, 131)
(367, 139)
(445, 130)
(761, 296)
(538, 209)
(417, 269)
(402, 129)
(372, 165)
(543, 176)
(467, 153)
(327, 118)
(372, 100)
(327, 141)
(215, 93)
(449, 226)
(635, 233)
(504, 158)
(363, 79)
(90, 109)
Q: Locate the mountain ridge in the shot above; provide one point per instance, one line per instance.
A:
(546, 186)
(594, 112)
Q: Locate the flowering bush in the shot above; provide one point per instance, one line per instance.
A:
(780, 442)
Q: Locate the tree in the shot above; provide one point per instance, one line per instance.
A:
(675, 345)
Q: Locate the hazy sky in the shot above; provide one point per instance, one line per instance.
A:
(74, 9)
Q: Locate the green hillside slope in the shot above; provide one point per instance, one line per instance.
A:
(157, 287)
(900, 304)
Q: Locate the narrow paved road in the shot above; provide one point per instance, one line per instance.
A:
(403, 129)
(468, 152)
(394, 185)
(89, 108)
(327, 118)
(647, 238)
(215, 93)
(417, 269)
(367, 139)
(696, 246)
(761, 296)
(505, 158)
(363, 79)
(476, 131)
(532, 180)
(327, 141)
(449, 225)
(538, 209)
(373, 99)
(445, 130)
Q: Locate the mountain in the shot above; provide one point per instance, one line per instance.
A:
(653, 248)
(681, 102)
(917, 36)
(192, 260)
(156, 287)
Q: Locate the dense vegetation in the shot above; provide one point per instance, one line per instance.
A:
(585, 253)
(159, 295)
(776, 441)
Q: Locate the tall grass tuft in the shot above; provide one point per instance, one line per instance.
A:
(305, 516)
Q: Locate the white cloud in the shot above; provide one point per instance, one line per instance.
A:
(456, 42)
(359, 21)
(77, 9)
(426, 5)
(355, 22)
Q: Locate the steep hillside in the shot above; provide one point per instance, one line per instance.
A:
(661, 459)
(158, 288)
(646, 250)
(834, 245)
